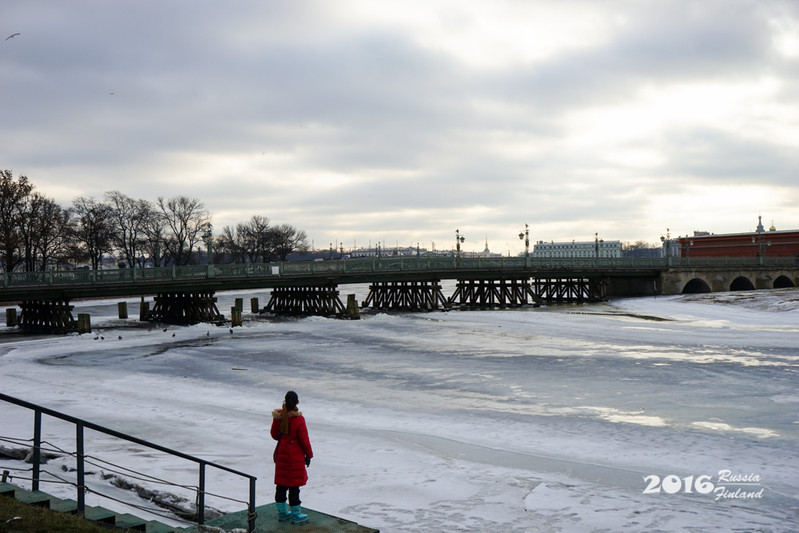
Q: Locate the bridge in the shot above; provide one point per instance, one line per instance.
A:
(186, 294)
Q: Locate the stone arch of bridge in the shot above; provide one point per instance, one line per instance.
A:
(742, 283)
(696, 286)
(783, 282)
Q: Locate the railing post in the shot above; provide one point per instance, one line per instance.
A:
(81, 482)
(251, 515)
(37, 448)
(201, 496)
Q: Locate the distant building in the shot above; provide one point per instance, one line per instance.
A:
(759, 243)
(648, 252)
(595, 248)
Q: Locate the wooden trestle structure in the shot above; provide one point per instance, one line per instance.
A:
(51, 316)
(55, 315)
(406, 296)
(487, 293)
(570, 290)
(318, 300)
(185, 308)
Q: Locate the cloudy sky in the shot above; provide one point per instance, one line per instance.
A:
(365, 121)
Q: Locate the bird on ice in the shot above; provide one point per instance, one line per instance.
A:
(11, 36)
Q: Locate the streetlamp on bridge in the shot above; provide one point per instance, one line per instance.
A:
(458, 240)
(597, 241)
(761, 247)
(666, 243)
(208, 237)
(526, 236)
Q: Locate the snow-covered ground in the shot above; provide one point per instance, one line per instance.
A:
(618, 416)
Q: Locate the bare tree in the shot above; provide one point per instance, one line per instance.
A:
(286, 239)
(93, 229)
(256, 241)
(231, 243)
(13, 195)
(154, 231)
(187, 221)
(129, 218)
(45, 230)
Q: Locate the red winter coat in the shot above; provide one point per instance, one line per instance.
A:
(291, 450)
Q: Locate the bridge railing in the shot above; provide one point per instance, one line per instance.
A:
(84, 458)
(377, 265)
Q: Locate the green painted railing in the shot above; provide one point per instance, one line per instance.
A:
(378, 265)
(82, 459)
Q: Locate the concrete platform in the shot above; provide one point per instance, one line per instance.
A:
(267, 522)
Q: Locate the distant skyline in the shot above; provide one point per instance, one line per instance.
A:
(365, 121)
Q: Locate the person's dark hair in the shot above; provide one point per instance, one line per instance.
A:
(292, 399)
(289, 405)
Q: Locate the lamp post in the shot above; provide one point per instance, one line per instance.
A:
(458, 240)
(526, 236)
(208, 237)
(597, 242)
(688, 250)
(761, 248)
(666, 243)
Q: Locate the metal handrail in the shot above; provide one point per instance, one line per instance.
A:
(81, 425)
(388, 264)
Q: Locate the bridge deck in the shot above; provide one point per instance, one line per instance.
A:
(69, 285)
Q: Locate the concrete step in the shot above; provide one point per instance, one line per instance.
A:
(155, 526)
(63, 506)
(267, 522)
(100, 514)
(27, 496)
(7, 489)
(128, 521)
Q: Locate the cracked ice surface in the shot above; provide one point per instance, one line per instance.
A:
(544, 419)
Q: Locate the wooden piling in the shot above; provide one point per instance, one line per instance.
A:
(240, 304)
(235, 316)
(11, 316)
(254, 305)
(144, 310)
(353, 311)
(84, 323)
(122, 308)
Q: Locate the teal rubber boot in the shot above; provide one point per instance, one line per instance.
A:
(283, 513)
(297, 516)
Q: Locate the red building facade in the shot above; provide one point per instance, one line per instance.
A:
(770, 243)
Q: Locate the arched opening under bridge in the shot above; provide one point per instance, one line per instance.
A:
(742, 283)
(696, 286)
(783, 282)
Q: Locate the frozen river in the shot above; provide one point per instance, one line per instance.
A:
(651, 414)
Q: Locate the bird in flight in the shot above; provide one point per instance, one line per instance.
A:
(12, 35)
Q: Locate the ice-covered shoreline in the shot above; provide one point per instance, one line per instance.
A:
(530, 420)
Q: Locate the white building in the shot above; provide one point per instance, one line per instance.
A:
(587, 249)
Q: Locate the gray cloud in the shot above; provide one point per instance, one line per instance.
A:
(342, 125)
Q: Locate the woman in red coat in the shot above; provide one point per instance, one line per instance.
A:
(292, 454)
